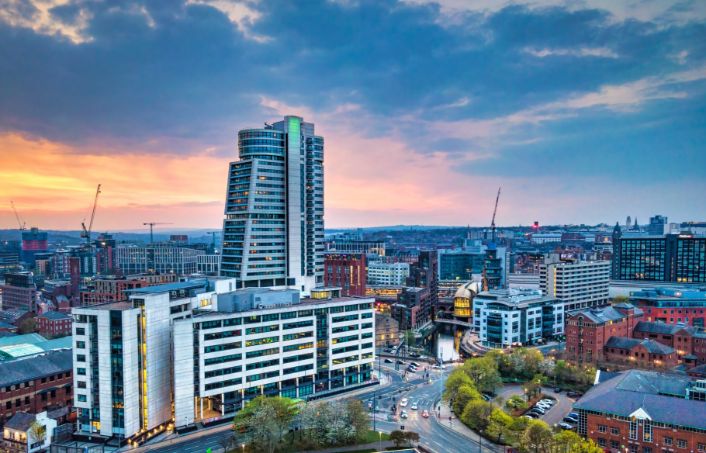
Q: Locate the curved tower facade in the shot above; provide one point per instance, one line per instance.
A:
(273, 232)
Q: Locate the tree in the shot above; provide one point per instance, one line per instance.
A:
(28, 325)
(398, 437)
(516, 402)
(37, 432)
(358, 418)
(456, 379)
(619, 299)
(411, 437)
(483, 371)
(498, 425)
(476, 414)
(265, 420)
(537, 438)
(464, 395)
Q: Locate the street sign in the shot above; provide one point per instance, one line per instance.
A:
(401, 427)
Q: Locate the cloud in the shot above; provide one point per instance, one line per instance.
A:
(599, 52)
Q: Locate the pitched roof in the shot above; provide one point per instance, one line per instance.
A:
(23, 370)
(653, 347)
(54, 315)
(601, 315)
(659, 395)
(657, 327)
(21, 421)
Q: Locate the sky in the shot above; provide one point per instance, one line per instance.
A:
(584, 111)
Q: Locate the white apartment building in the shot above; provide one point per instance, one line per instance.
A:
(194, 351)
(208, 264)
(578, 284)
(267, 342)
(379, 273)
(122, 358)
(516, 316)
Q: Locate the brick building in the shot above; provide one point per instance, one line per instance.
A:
(347, 271)
(638, 353)
(53, 324)
(588, 330)
(672, 305)
(36, 384)
(688, 341)
(113, 289)
(645, 412)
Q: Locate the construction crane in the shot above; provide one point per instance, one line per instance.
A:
(86, 233)
(495, 211)
(20, 223)
(152, 224)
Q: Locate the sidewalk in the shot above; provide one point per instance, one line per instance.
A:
(455, 425)
(373, 445)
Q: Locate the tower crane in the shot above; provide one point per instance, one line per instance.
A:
(86, 233)
(152, 224)
(495, 211)
(20, 223)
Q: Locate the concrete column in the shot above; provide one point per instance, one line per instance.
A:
(223, 406)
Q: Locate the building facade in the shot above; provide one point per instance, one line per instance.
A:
(689, 342)
(645, 412)
(19, 292)
(639, 353)
(578, 284)
(157, 258)
(672, 305)
(53, 324)
(516, 317)
(387, 274)
(679, 258)
(209, 264)
(347, 271)
(263, 342)
(273, 232)
(36, 384)
(588, 330)
(115, 289)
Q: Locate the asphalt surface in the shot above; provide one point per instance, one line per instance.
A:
(555, 414)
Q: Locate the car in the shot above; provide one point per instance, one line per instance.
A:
(573, 415)
(565, 426)
(548, 401)
(391, 418)
(414, 406)
(538, 410)
(486, 397)
(435, 367)
(574, 394)
(529, 416)
(412, 369)
(414, 355)
(388, 361)
(546, 407)
(403, 414)
(568, 419)
(400, 362)
(535, 411)
(557, 389)
(425, 413)
(415, 364)
(403, 403)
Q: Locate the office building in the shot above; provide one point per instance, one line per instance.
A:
(115, 289)
(578, 284)
(209, 264)
(545, 238)
(677, 258)
(672, 305)
(346, 271)
(516, 317)
(645, 412)
(19, 292)
(273, 232)
(387, 274)
(122, 358)
(157, 258)
(345, 246)
(265, 342)
(460, 264)
(413, 308)
(658, 226)
(425, 274)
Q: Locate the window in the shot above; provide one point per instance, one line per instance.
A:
(615, 431)
(80, 331)
(81, 384)
(667, 441)
(633, 430)
(79, 358)
(81, 371)
(601, 442)
(681, 443)
(614, 444)
(80, 344)
(602, 428)
(82, 398)
(647, 431)
(701, 447)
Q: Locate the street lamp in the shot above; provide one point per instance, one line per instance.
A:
(380, 441)
(242, 446)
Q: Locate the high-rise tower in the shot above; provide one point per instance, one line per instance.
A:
(273, 232)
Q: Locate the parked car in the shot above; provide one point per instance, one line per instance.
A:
(388, 361)
(568, 419)
(573, 394)
(486, 397)
(548, 401)
(557, 389)
(565, 426)
(573, 415)
(414, 406)
(403, 414)
(538, 409)
(529, 416)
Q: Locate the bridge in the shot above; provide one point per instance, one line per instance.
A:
(455, 322)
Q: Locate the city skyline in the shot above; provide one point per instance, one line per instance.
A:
(596, 107)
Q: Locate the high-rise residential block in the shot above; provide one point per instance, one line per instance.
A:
(273, 231)
(578, 284)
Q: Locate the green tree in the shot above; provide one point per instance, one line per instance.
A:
(476, 414)
(28, 325)
(499, 425)
(412, 437)
(484, 373)
(537, 438)
(465, 394)
(358, 418)
(265, 420)
(516, 402)
(398, 437)
(456, 379)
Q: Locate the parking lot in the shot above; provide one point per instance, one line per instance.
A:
(552, 416)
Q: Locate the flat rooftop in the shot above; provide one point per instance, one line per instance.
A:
(168, 287)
